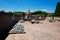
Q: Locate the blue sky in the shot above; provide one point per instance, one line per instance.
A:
(32, 5)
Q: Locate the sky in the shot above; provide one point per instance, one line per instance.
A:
(32, 5)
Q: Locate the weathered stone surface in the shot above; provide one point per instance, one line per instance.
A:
(17, 29)
(45, 31)
(21, 21)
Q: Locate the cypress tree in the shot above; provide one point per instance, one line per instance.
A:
(57, 11)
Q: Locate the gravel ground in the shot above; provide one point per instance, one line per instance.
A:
(45, 30)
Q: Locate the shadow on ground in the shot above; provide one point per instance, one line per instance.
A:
(5, 32)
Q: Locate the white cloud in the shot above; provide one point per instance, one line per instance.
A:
(44, 10)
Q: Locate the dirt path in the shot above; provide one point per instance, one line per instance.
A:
(42, 31)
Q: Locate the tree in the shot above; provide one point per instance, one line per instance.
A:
(36, 12)
(53, 16)
(57, 11)
(2, 11)
(20, 13)
(43, 15)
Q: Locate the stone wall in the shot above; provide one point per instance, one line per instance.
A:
(5, 20)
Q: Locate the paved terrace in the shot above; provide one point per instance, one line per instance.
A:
(42, 31)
